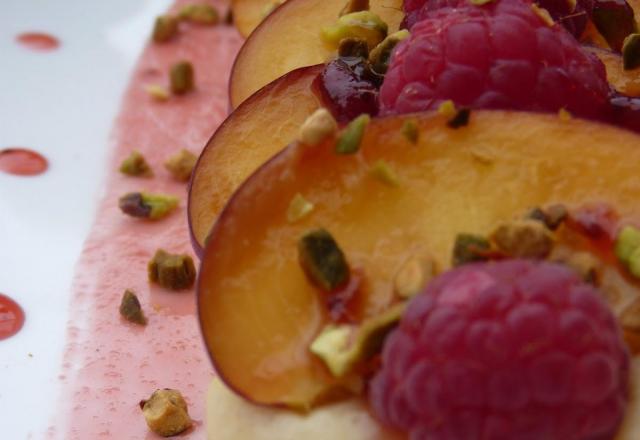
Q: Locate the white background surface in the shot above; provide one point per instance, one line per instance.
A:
(62, 104)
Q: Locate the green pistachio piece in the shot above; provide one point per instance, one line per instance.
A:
(147, 205)
(181, 77)
(524, 239)
(181, 165)
(552, 217)
(172, 271)
(631, 52)
(322, 260)
(130, 308)
(299, 207)
(384, 173)
(351, 137)
(165, 28)
(634, 263)
(381, 54)
(411, 131)
(353, 48)
(200, 13)
(469, 248)
(627, 242)
(364, 25)
(343, 347)
(136, 165)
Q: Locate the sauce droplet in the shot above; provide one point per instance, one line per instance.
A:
(22, 162)
(11, 317)
(38, 41)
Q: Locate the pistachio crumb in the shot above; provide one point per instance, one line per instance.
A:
(410, 130)
(543, 14)
(413, 276)
(166, 412)
(382, 171)
(461, 119)
(631, 52)
(353, 48)
(130, 308)
(349, 140)
(181, 77)
(627, 242)
(299, 207)
(136, 165)
(364, 25)
(147, 205)
(381, 54)
(469, 248)
(552, 217)
(172, 271)
(564, 114)
(524, 239)
(164, 28)
(322, 260)
(181, 165)
(355, 6)
(317, 127)
(157, 92)
(200, 13)
(634, 263)
(447, 109)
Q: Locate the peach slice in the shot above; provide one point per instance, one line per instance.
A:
(259, 313)
(290, 38)
(247, 14)
(255, 131)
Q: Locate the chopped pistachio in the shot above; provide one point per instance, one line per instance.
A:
(469, 248)
(355, 6)
(631, 52)
(627, 242)
(381, 54)
(630, 317)
(634, 263)
(147, 205)
(317, 127)
(384, 173)
(130, 308)
(585, 265)
(543, 14)
(322, 259)
(353, 48)
(299, 207)
(136, 165)
(411, 131)
(480, 2)
(461, 118)
(364, 25)
(524, 239)
(165, 28)
(564, 114)
(181, 77)
(343, 347)
(351, 137)
(447, 109)
(181, 165)
(166, 412)
(173, 271)
(199, 13)
(552, 217)
(157, 92)
(413, 276)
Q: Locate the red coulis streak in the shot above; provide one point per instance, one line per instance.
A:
(22, 162)
(38, 41)
(11, 317)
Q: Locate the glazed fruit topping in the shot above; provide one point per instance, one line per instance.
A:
(513, 349)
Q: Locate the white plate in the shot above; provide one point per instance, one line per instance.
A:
(61, 104)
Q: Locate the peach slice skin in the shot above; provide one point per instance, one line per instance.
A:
(263, 125)
(258, 313)
(290, 38)
(247, 14)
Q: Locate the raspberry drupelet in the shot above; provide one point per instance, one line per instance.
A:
(515, 349)
(517, 62)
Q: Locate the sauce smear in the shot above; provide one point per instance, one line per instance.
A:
(11, 317)
(38, 41)
(22, 162)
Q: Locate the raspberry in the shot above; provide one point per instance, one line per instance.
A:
(518, 62)
(504, 350)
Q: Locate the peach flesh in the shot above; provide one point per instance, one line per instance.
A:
(262, 125)
(258, 313)
(290, 38)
